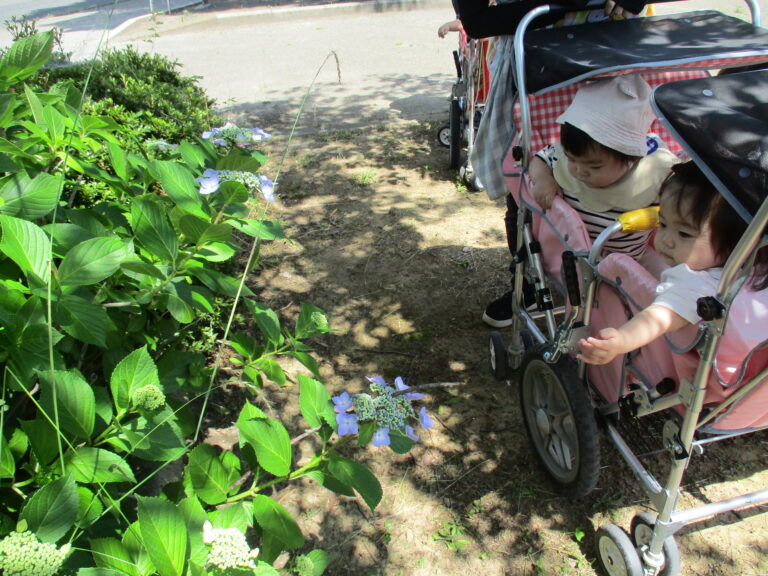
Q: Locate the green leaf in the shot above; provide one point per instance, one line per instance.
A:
(96, 465)
(268, 438)
(64, 236)
(156, 442)
(119, 161)
(7, 461)
(320, 560)
(277, 521)
(110, 554)
(315, 402)
(359, 477)
(27, 245)
(134, 543)
(28, 198)
(216, 252)
(311, 322)
(307, 361)
(93, 260)
(193, 155)
(179, 185)
(134, 371)
(90, 508)
(399, 443)
(180, 310)
(25, 57)
(52, 510)
(83, 320)
(42, 438)
(99, 572)
(73, 399)
(237, 516)
(218, 282)
(192, 227)
(164, 534)
(211, 474)
(262, 229)
(153, 229)
(267, 321)
(272, 370)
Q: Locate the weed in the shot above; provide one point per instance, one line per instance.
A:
(365, 179)
(451, 534)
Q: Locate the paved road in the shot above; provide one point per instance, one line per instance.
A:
(372, 61)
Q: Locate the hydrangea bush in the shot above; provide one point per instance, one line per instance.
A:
(99, 391)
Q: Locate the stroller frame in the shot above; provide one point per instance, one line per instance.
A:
(466, 104)
(545, 352)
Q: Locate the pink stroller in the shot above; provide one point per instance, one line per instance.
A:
(701, 386)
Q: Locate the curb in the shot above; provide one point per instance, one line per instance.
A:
(284, 12)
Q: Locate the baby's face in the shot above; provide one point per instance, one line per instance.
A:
(678, 241)
(597, 168)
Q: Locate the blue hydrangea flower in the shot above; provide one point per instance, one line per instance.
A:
(209, 181)
(267, 188)
(232, 134)
(342, 402)
(346, 423)
(411, 434)
(424, 418)
(381, 437)
(400, 385)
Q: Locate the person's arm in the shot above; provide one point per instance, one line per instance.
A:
(544, 186)
(644, 328)
(452, 26)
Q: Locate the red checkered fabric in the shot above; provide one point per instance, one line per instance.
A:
(545, 109)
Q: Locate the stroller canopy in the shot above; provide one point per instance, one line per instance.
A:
(560, 56)
(722, 122)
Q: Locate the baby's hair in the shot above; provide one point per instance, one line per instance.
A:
(704, 204)
(578, 143)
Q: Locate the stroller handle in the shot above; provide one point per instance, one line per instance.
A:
(640, 220)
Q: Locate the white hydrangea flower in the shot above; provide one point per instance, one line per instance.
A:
(22, 554)
(229, 548)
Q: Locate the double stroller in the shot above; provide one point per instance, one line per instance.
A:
(695, 386)
(466, 104)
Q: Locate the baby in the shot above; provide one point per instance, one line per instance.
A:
(698, 230)
(605, 163)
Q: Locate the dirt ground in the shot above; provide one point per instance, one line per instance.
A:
(403, 259)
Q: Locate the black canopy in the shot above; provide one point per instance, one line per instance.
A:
(558, 56)
(722, 122)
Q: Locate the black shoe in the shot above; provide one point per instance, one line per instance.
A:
(498, 313)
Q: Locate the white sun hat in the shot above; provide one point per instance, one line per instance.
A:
(615, 113)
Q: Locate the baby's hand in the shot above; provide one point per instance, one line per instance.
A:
(602, 349)
(544, 191)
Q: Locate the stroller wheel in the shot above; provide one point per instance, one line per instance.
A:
(499, 363)
(444, 135)
(560, 421)
(642, 532)
(469, 177)
(454, 151)
(616, 553)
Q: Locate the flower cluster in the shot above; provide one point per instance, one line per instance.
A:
(229, 549)
(22, 554)
(388, 408)
(231, 134)
(148, 397)
(212, 179)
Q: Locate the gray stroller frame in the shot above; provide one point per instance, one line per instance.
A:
(561, 406)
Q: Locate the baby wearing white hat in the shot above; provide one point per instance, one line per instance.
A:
(606, 163)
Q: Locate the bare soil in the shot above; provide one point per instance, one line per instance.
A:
(403, 260)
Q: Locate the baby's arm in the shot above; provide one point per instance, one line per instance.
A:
(648, 325)
(545, 187)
